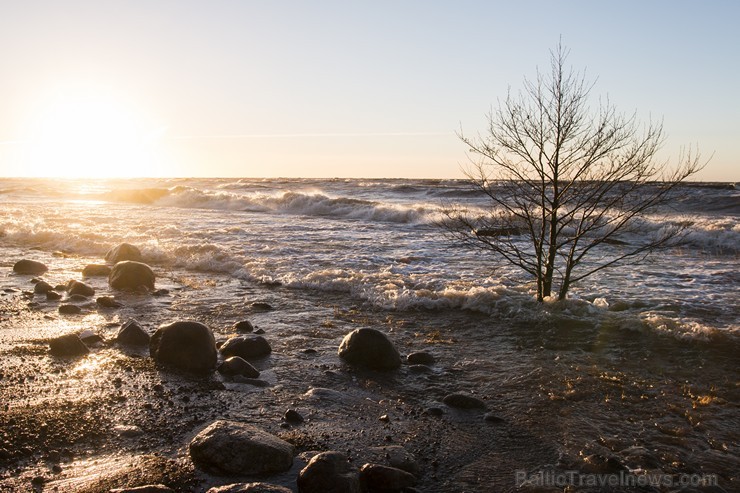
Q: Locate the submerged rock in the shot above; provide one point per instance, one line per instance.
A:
(464, 401)
(132, 333)
(251, 346)
(79, 288)
(68, 345)
(29, 267)
(131, 275)
(369, 348)
(187, 345)
(329, 472)
(42, 287)
(124, 251)
(249, 488)
(384, 479)
(230, 447)
(96, 270)
(238, 366)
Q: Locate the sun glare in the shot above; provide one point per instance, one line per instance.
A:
(88, 134)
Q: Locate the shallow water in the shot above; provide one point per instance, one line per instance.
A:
(649, 385)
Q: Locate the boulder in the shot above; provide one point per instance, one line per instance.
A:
(244, 326)
(69, 309)
(231, 448)
(67, 346)
(329, 472)
(293, 416)
(238, 366)
(108, 302)
(96, 270)
(420, 358)
(42, 287)
(186, 345)
(132, 333)
(29, 267)
(77, 287)
(250, 346)
(463, 401)
(383, 479)
(249, 488)
(124, 251)
(131, 275)
(369, 348)
(53, 296)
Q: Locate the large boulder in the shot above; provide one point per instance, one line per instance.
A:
(77, 287)
(249, 488)
(369, 348)
(29, 267)
(124, 251)
(68, 346)
(186, 345)
(384, 479)
(247, 346)
(329, 472)
(132, 333)
(233, 448)
(96, 270)
(130, 275)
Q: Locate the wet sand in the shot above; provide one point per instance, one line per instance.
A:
(563, 395)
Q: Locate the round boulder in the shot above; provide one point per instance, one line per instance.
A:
(42, 287)
(385, 479)
(244, 326)
(238, 366)
(77, 287)
(186, 345)
(250, 346)
(231, 448)
(124, 251)
(29, 267)
(329, 472)
(130, 275)
(369, 348)
(96, 270)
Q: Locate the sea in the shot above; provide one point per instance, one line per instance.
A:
(639, 363)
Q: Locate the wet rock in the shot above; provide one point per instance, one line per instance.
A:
(420, 358)
(77, 297)
(261, 306)
(464, 401)
(53, 296)
(377, 478)
(96, 270)
(69, 309)
(29, 267)
(131, 275)
(152, 488)
(329, 472)
(60, 287)
(79, 288)
(293, 416)
(108, 302)
(42, 287)
(186, 345)
(89, 337)
(249, 488)
(124, 251)
(252, 346)
(238, 366)
(244, 326)
(369, 348)
(132, 333)
(67, 346)
(230, 447)
(259, 331)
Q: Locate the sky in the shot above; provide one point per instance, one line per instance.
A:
(266, 88)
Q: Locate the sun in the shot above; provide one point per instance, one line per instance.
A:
(88, 133)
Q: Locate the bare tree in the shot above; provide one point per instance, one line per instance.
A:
(564, 179)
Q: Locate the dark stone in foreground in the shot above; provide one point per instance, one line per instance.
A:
(80, 288)
(251, 346)
(53, 296)
(132, 333)
(244, 326)
(261, 306)
(187, 345)
(384, 479)
(293, 416)
(152, 488)
(96, 270)
(420, 358)
(249, 488)
(124, 251)
(70, 309)
(68, 345)
(29, 267)
(230, 447)
(42, 287)
(238, 366)
(464, 401)
(369, 348)
(108, 302)
(329, 472)
(130, 275)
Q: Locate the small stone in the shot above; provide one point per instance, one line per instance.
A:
(420, 358)
(384, 418)
(236, 365)
(259, 331)
(53, 296)
(79, 288)
(108, 302)
(492, 418)
(38, 480)
(463, 401)
(293, 416)
(29, 267)
(244, 326)
(42, 287)
(90, 337)
(77, 297)
(248, 346)
(434, 411)
(56, 469)
(68, 345)
(69, 309)
(384, 479)
(96, 270)
(133, 334)
(261, 306)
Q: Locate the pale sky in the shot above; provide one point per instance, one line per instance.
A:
(257, 88)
